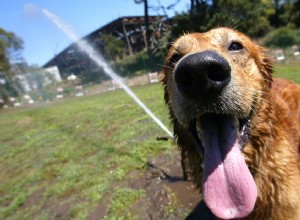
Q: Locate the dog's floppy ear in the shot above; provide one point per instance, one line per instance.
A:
(262, 60)
(266, 66)
(166, 70)
(164, 82)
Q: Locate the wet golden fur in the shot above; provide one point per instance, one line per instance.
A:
(272, 151)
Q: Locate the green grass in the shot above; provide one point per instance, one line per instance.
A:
(75, 151)
(288, 70)
(122, 199)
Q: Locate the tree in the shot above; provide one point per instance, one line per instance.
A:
(290, 13)
(179, 24)
(296, 13)
(246, 16)
(250, 17)
(199, 15)
(195, 20)
(282, 37)
(113, 47)
(10, 47)
(284, 13)
(274, 12)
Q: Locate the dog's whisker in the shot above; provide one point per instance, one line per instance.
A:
(264, 98)
(166, 66)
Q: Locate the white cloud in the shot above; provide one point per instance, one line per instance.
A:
(30, 9)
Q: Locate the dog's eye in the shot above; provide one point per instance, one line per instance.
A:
(235, 46)
(174, 59)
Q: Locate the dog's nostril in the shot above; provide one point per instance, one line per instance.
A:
(184, 79)
(217, 74)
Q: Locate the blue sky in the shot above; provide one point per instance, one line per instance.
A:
(42, 40)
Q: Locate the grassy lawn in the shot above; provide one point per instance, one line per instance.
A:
(75, 152)
(289, 71)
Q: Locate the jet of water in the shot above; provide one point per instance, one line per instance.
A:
(99, 60)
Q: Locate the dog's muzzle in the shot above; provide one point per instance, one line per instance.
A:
(220, 132)
(202, 74)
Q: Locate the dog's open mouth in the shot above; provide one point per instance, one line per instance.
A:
(228, 187)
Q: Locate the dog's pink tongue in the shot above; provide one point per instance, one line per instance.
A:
(229, 189)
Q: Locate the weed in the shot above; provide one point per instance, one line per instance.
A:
(122, 199)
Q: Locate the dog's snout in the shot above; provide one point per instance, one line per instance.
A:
(204, 73)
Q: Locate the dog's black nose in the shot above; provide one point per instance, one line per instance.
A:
(202, 74)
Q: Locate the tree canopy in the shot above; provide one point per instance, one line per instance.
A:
(255, 18)
(10, 52)
(10, 48)
(113, 47)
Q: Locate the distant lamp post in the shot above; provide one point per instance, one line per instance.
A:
(72, 77)
(148, 43)
(2, 81)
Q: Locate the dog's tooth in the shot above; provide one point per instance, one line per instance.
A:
(202, 165)
(236, 123)
(199, 129)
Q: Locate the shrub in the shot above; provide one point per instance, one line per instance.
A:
(282, 37)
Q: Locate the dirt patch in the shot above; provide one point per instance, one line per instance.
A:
(33, 198)
(55, 209)
(58, 210)
(24, 121)
(167, 194)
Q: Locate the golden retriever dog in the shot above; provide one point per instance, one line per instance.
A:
(237, 127)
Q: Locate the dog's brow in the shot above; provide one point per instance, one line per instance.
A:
(176, 51)
(181, 49)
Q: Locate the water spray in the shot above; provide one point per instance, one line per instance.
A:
(99, 60)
